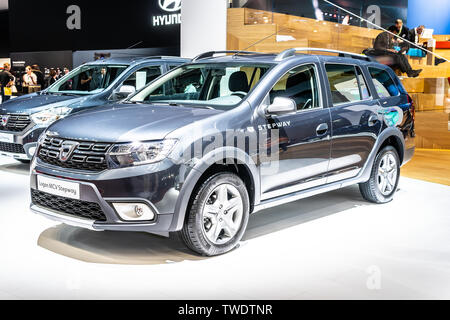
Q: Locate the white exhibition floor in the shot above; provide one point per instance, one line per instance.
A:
(331, 246)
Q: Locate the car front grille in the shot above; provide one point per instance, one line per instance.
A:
(87, 156)
(76, 208)
(12, 147)
(15, 122)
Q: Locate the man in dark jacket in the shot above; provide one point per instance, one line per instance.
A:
(5, 81)
(414, 34)
(383, 47)
(403, 33)
(39, 75)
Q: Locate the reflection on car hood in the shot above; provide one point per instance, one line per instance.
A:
(35, 102)
(127, 123)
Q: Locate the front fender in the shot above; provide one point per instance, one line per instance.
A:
(200, 167)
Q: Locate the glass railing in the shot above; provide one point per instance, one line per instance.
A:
(353, 26)
(348, 25)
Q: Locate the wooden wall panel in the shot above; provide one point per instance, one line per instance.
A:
(430, 91)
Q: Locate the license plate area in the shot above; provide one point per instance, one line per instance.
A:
(57, 187)
(7, 137)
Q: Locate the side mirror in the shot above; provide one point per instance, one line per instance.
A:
(281, 105)
(124, 91)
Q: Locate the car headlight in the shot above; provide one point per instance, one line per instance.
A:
(139, 153)
(48, 116)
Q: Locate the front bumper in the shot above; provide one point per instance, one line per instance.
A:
(64, 218)
(156, 185)
(27, 139)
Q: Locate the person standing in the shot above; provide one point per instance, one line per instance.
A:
(403, 33)
(68, 85)
(85, 80)
(29, 78)
(58, 73)
(66, 71)
(99, 79)
(39, 75)
(53, 77)
(6, 81)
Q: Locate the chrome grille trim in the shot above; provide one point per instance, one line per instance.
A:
(16, 122)
(87, 156)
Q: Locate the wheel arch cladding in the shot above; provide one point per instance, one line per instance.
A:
(395, 142)
(241, 164)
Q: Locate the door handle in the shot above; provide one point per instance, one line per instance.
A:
(322, 129)
(373, 119)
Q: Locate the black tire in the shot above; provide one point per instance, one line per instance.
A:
(193, 232)
(24, 161)
(370, 190)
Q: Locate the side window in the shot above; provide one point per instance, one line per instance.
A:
(141, 77)
(345, 85)
(365, 94)
(383, 83)
(299, 84)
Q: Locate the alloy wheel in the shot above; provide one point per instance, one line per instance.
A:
(387, 174)
(222, 214)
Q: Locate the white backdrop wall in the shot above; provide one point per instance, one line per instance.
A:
(3, 4)
(203, 26)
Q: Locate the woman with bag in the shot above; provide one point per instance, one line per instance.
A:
(6, 82)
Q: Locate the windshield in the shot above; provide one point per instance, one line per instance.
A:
(88, 79)
(216, 85)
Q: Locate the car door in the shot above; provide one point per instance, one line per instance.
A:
(355, 120)
(303, 143)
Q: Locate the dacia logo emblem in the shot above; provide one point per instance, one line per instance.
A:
(170, 5)
(5, 120)
(67, 149)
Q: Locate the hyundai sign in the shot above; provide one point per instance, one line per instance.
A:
(172, 9)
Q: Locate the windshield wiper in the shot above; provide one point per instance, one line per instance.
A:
(133, 102)
(173, 104)
(65, 94)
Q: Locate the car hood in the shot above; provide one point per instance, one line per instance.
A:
(127, 123)
(35, 102)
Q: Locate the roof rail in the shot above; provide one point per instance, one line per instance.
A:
(291, 52)
(210, 54)
(157, 57)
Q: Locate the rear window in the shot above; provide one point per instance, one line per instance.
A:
(347, 83)
(383, 82)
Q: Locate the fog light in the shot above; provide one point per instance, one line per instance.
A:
(31, 151)
(134, 211)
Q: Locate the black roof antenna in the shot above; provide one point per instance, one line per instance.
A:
(134, 45)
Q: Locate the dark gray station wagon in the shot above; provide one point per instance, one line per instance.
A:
(23, 119)
(205, 145)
